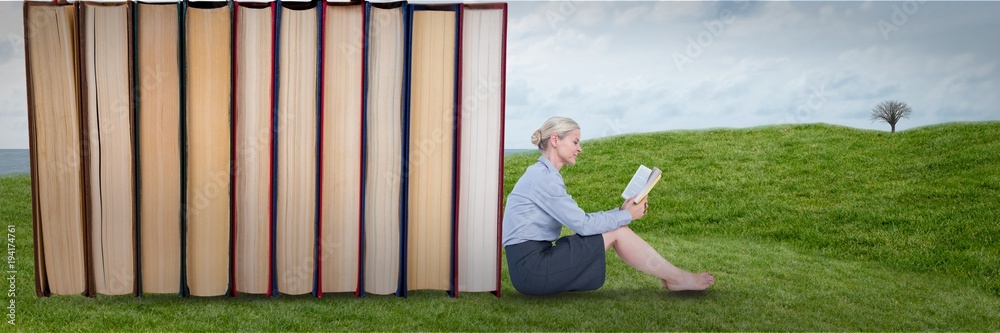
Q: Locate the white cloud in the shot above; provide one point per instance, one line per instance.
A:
(629, 15)
(865, 5)
(13, 105)
(770, 62)
(680, 10)
(611, 65)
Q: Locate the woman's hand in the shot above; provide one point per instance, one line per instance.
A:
(638, 210)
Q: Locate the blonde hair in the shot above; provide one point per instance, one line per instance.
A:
(558, 125)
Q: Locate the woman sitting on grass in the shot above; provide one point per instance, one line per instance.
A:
(539, 206)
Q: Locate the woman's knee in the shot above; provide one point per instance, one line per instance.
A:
(612, 237)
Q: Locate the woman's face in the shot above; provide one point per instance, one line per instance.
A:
(568, 147)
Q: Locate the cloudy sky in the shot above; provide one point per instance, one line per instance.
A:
(627, 67)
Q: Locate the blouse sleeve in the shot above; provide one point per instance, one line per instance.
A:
(552, 198)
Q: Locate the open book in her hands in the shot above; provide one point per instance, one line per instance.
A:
(642, 182)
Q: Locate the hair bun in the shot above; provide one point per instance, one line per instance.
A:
(536, 137)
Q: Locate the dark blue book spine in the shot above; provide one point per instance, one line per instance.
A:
(364, 152)
(360, 291)
(320, 8)
(182, 58)
(404, 187)
(135, 151)
(274, 147)
(456, 117)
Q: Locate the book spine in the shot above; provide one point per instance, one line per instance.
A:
(404, 188)
(456, 156)
(233, 152)
(231, 289)
(359, 292)
(82, 88)
(182, 58)
(272, 273)
(274, 144)
(134, 135)
(364, 152)
(135, 153)
(318, 248)
(503, 99)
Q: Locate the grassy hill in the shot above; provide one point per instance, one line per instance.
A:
(922, 200)
(807, 227)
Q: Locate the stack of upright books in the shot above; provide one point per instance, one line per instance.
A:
(218, 148)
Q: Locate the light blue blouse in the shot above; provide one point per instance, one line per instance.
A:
(538, 206)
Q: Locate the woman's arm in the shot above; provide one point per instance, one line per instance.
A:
(553, 200)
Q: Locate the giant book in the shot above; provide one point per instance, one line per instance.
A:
(56, 141)
(430, 157)
(206, 148)
(342, 146)
(383, 206)
(480, 162)
(108, 143)
(297, 163)
(253, 85)
(157, 91)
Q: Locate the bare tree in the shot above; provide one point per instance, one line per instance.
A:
(890, 112)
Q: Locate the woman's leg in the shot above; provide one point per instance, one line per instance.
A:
(638, 254)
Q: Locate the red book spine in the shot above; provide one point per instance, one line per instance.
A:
(503, 99)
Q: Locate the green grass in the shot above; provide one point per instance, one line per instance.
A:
(807, 227)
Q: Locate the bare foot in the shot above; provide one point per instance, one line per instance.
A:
(690, 281)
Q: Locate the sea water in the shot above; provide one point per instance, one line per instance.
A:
(14, 161)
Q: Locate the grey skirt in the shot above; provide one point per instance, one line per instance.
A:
(574, 263)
